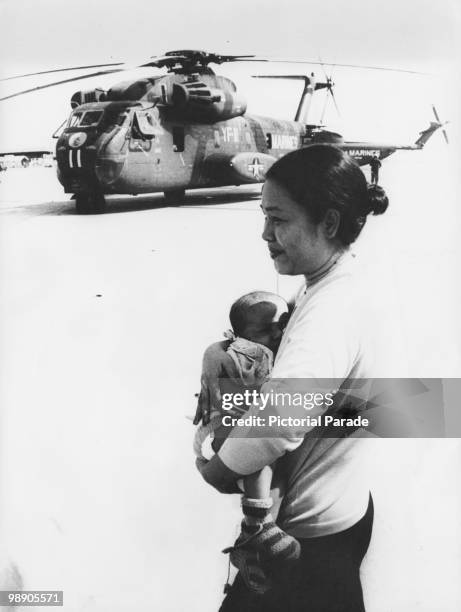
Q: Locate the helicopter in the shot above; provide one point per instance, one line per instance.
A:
(185, 129)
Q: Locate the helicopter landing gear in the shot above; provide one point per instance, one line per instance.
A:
(174, 197)
(90, 203)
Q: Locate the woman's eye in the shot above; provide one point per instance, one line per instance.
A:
(273, 220)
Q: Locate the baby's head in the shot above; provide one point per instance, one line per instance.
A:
(259, 316)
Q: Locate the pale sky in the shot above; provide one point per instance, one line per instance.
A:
(414, 34)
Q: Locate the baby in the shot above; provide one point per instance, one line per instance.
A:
(257, 321)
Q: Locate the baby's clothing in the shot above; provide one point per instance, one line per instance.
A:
(253, 363)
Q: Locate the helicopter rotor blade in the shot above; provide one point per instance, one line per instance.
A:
(201, 57)
(163, 60)
(20, 76)
(172, 58)
(168, 60)
(277, 60)
(232, 58)
(79, 78)
(177, 56)
(297, 77)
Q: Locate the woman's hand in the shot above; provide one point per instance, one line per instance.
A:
(216, 364)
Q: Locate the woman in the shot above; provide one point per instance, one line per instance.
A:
(315, 201)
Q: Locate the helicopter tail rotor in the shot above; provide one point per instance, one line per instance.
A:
(427, 133)
(444, 132)
(332, 93)
(328, 85)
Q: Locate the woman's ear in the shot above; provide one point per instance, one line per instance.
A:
(330, 223)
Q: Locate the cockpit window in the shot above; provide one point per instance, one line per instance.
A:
(85, 118)
(91, 118)
(74, 119)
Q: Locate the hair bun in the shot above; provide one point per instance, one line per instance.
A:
(377, 200)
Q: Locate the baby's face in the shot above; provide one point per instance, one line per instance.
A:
(265, 323)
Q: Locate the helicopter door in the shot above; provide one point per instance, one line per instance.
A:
(178, 139)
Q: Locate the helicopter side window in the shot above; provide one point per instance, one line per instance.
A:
(112, 118)
(269, 140)
(178, 139)
(144, 124)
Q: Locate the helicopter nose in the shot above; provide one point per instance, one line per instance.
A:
(77, 139)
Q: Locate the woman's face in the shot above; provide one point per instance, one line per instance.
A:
(296, 244)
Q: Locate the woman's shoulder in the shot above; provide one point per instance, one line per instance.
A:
(338, 309)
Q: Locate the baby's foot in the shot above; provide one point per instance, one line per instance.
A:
(263, 534)
(270, 541)
(248, 562)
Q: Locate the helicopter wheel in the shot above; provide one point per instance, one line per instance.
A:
(175, 196)
(90, 203)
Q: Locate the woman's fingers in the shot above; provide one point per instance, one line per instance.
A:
(204, 401)
(203, 406)
(214, 394)
(198, 412)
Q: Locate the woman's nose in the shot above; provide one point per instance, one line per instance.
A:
(268, 232)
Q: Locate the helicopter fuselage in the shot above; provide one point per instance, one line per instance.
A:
(182, 131)
(137, 150)
(185, 129)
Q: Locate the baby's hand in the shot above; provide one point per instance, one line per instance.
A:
(216, 364)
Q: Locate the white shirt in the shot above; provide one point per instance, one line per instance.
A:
(335, 332)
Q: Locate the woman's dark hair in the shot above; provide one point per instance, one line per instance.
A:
(321, 177)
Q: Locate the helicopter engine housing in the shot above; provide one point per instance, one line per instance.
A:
(198, 101)
(86, 96)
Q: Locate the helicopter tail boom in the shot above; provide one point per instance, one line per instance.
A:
(424, 135)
